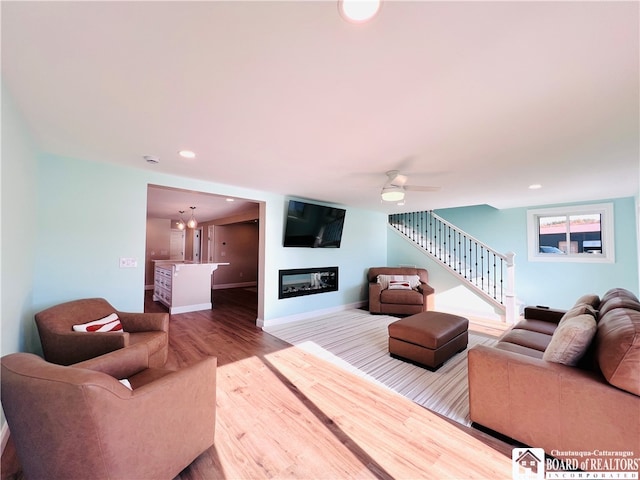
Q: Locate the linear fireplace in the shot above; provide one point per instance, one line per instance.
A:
(307, 281)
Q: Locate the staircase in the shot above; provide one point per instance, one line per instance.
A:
(488, 272)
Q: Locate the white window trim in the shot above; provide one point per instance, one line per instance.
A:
(608, 248)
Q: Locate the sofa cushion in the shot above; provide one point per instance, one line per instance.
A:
(577, 310)
(590, 299)
(617, 292)
(618, 348)
(619, 302)
(401, 297)
(535, 325)
(571, 340)
(527, 338)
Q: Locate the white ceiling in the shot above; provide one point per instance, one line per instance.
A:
(480, 98)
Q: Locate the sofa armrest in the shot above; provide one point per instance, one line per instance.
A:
(66, 348)
(549, 405)
(374, 297)
(545, 314)
(144, 322)
(121, 363)
(425, 289)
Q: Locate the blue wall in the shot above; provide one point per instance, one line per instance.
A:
(18, 203)
(91, 214)
(554, 284)
(66, 222)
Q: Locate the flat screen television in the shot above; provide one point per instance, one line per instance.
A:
(314, 226)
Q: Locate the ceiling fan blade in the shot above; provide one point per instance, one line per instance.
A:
(419, 188)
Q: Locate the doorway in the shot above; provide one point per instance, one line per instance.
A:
(165, 209)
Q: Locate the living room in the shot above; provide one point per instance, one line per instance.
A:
(73, 204)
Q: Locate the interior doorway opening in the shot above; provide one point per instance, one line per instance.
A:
(230, 230)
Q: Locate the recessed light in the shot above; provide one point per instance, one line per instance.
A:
(535, 186)
(230, 199)
(358, 11)
(187, 154)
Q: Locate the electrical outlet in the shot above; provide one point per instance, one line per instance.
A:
(127, 262)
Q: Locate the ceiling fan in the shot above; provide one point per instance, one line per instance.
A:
(396, 186)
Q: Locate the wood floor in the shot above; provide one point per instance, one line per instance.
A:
(283, 413)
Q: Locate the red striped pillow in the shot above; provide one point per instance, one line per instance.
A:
(399, 285)
(110, 323)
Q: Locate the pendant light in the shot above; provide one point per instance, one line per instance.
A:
(192, 223)
(181, 225)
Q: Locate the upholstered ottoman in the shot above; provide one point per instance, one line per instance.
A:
(429, 338)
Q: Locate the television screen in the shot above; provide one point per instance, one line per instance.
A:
(314, 226)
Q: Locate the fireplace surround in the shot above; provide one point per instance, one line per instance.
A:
(307, 281)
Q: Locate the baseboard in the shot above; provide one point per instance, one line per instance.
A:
(223, 286)
(306, 315)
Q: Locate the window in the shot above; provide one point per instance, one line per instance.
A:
(581, 233)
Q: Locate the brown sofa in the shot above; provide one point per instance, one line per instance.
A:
(62, 345)
(80, 422)
(591, 402)
(399, 302)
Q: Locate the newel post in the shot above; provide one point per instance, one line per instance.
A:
(511, 313)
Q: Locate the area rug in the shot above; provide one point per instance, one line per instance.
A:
(358, 342)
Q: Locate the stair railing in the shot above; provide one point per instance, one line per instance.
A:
(484, 269)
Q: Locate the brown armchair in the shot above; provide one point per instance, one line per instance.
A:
(79, 421)
(399, 302)
(62, 345)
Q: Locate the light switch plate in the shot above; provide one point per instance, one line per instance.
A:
(127, 262)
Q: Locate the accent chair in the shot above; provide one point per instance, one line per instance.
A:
(412, 295)
(64, 346)
(80, 421)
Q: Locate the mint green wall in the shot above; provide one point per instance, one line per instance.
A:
(66, 222)
(554, 284)
(364, 244)
(90, 214)
(19, 192)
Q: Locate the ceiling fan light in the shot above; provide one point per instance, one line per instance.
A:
(358, 11)
(392, 194)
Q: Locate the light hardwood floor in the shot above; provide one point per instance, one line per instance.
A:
(283, 413)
